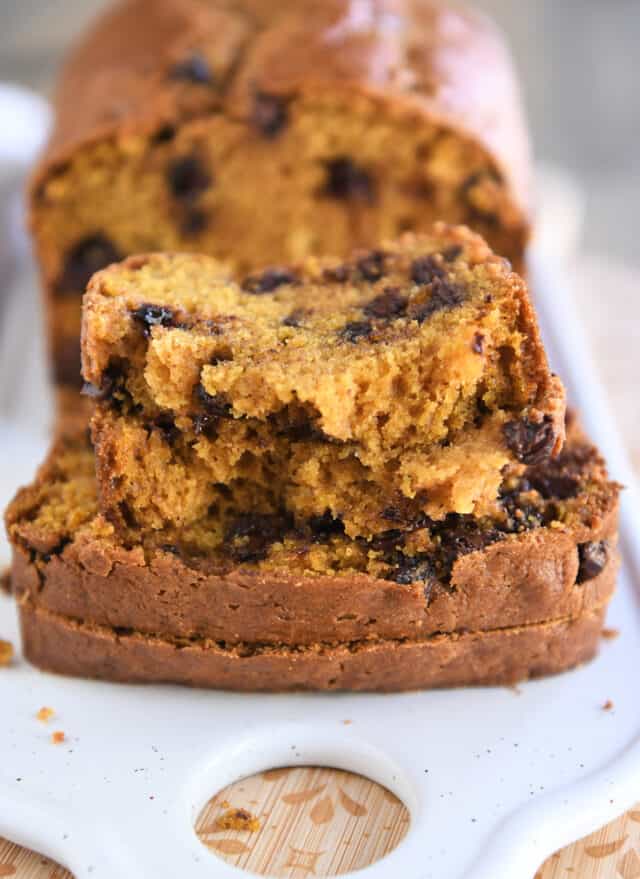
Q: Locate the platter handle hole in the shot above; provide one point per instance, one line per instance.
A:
(303, 821)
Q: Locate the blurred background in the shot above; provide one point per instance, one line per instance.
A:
(580, 69)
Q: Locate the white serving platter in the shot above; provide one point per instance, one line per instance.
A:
(495, 779)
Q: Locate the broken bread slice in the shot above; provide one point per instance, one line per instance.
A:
(404, 382)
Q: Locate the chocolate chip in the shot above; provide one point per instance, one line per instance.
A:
(165, 134)
(296, 318)
(88, 256)
(251, 535)
(269, 281)
(593, 558)
(425, 270)
(325, 526)
(167, 427)
(346, 181)
(388, 542)
(205, 424)
(389, 304)
(372, 266)
(188, 179)
(270, 114)
(531, 442)
(356, 330)
(194, 69)
(412, 570)
(444, 296)
(153, 316)
(337, 274)
(554, 486)
(194, 223)
(214, 404)
(477, 345)
(451, 254)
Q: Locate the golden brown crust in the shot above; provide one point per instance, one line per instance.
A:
(499, 657)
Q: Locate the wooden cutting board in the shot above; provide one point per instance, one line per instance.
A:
(325, 822)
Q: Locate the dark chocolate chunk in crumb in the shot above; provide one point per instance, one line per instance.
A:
(213, 404)
(409, 570)
(592, 558)
(149, 316)
(356, 330)
(251, 535)
(165, 423)
(347, 181)
(426, 269)
(477, 344)
(451, 254)
(88, 256)
(295, 318)
(195, 69)
(325, 526)
(531, 442)
(337, 274)
(269, 280)
(372, 265)
(389, 304)
(270, 114)
(188, 178)
(444, 296)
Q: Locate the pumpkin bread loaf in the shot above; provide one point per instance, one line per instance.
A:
(266, 131)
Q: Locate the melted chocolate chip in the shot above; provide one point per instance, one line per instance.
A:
(167, 427)
(593, 558)
(153, 316)
(296, 318)
(531, 442)
(444, 296)
(356, 330)
(413, 570)
(269, 281)
(555, 486)
(88, 256)
(188, 179)
(337, 274)
(372, 266)
(346, 181)
(193, 69)
(388, 305)
(251, 535)
(425, 270)
(325, 526)
(165, 134)
(477, 345)
(194, 223)
(451, 254)
(270, 114)
(214, 404)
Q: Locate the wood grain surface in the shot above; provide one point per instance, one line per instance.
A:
(320, 822)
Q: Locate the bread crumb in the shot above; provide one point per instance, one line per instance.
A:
(225, 804)
(45, 714)
(610, 634)
(237, 819)
(608, 705)
(58, 737)
(6, 653)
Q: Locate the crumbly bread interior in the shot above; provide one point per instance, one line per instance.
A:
(411, 376)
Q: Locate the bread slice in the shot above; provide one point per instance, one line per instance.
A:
(238, 580)
(498, 657)
(406, 379)
(271, 130)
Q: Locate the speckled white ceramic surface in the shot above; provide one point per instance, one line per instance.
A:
(495, 779)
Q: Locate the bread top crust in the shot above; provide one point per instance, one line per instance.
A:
(134, 72)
